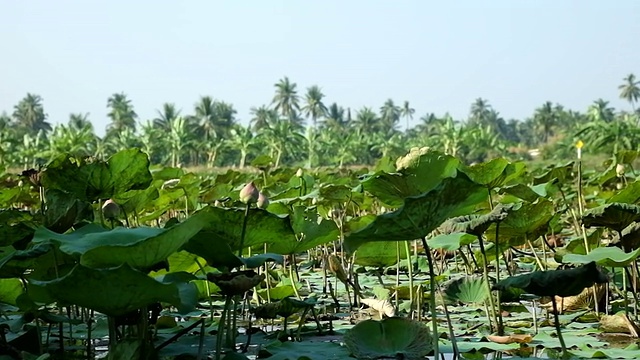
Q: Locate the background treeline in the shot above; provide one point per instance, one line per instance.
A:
(299, 129)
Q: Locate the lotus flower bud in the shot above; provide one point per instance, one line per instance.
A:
(263, 201)
(217, 203)
(620, 170)
(249, 194)
(110, 209)
(299, 173)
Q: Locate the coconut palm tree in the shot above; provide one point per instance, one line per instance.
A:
(389, 116)
(545, 118)
(407, 112)
(121, 113)
(335, 121)
(630, 90)
(479, 112)
(261, 117)
(29, 115)
(204, 118)
(314, 108)
(367, 121)
(286, 98)
(166, 114)
(79, 121)
(601, 111)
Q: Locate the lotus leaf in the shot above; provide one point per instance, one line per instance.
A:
(562, 283)
(604, 256)
(467, 290)
(422, 214)
(392, 337)
(418, 172)
(115, 291)
(616, 216)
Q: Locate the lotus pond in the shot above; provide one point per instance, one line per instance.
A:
(426, 257)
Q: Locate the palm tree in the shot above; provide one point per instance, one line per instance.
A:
(545, 118)
(630, 90)
(78, 121)
(29, 115)
(600, 111)
(367, 121)
(121, 114)
(286, 98)
(314, 107)
(335, 120)
(165, 116)
(389, 116)
(205, 118)
(479, 112)
(407, 112)
(261, 117)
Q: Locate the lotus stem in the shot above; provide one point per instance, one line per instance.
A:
(244, 228)
(432, 300)
(500, 322)
(410, 270)
(565, 354)
(485, 275)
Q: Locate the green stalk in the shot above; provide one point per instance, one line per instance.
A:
(565, 354)
(244, 228)
(485, 275)
(410, 270)
(207, 287)
(221, 323)
(432, 300)
(500, 322)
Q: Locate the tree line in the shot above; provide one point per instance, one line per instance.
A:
(302, 130)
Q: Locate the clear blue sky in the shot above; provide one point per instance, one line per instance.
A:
(439, 55)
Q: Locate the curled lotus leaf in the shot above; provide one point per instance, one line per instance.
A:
(236, 283)
(566, 282)
(476, 224)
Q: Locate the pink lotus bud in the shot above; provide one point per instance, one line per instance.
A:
(299, 173)
(249, 193)
(263, 201)
(110, 209)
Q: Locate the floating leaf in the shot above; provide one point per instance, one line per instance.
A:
(467, 290)
(604, 256)
(391, 337)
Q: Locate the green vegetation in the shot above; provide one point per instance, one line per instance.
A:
(335, 135)
(139, 261)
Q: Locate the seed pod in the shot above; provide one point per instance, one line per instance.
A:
(236, 283)
(249, 193)
(110, 209)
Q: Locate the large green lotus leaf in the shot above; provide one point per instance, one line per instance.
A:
(562, 283)
(15, 225)
(125, 170)
(306, 350)
(16, 262)
(560, 172)
(626, 156)
(630, 194)
(311, 231)
(452, 241)
(616, 216)
(422, 214)
(61, 210)
(527, 192)
(494, 173)
(477, 224)
(526, 222)
(140, 247)
(629, 238)
(116, 291)
(10, 289)
(467, 290)
(380, 253)
(390, 338)
(605, 256)
(263, 227)
(418, 172)
(133, 202)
